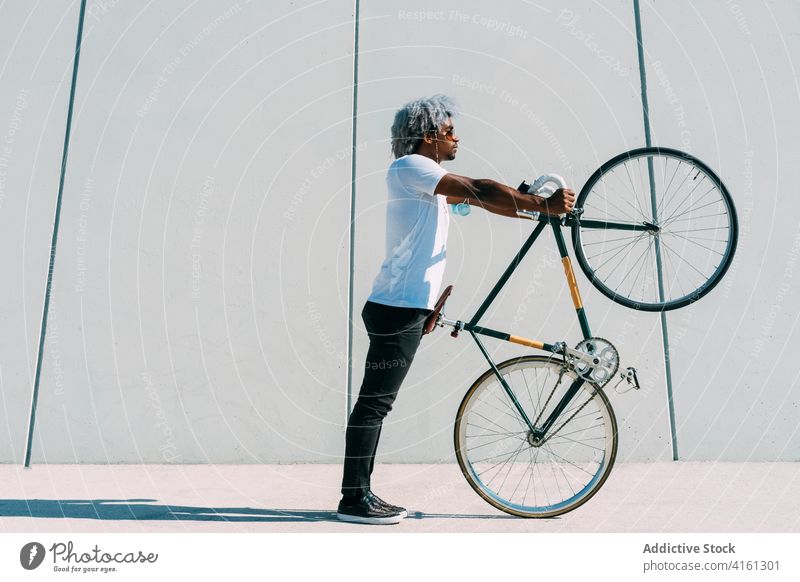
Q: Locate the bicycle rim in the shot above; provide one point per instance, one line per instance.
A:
(508, 471)
(664, 269)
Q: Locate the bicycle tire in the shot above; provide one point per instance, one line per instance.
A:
(577, 462)
(680, 262)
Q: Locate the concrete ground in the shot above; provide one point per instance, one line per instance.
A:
(638, 497)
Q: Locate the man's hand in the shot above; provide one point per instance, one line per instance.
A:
(501, 199)
(561, 202)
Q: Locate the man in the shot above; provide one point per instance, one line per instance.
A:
(407, 286)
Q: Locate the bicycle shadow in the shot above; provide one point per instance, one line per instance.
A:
(150, 510)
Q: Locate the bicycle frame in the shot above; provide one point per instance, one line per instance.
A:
(536, 436)
(557, 348)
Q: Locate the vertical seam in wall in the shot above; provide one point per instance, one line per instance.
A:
(54, 240)
(351, 267)
(648, 143)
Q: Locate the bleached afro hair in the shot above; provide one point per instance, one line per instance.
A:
(416, 119)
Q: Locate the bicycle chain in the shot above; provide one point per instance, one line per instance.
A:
(564, 368)
(582, 406)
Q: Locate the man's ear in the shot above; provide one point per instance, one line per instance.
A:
(427, 137)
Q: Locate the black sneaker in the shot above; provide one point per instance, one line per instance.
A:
(366, 509)
(401, 510)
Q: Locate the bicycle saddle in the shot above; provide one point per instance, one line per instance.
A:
(430, 322)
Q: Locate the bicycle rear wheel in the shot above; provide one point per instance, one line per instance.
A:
(496, 453)
(658, 229)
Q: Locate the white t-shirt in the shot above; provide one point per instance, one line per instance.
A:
(416, 235)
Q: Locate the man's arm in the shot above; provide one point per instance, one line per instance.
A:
(501, 199)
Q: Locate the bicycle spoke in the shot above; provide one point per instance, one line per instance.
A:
(531, 482)
(633, 192)
(491, 433)
(718, 240)
(674, 217)
(490, 421)
(703, 275)
(500, 488)
(525, 472)
(687, 196)
(698, 244)
(633, 267)
(528, 390)
(645, 187)
(608, 276)
(510, 404)
(700, 229)
(632, 218)
(668, 260)
(605, 252)
(563, 474)
(502, 464)
(509, 414)
(639, 272)
(601, 207)
(487, 443)
(661, 206)
(698, 218)
(604, 241)
(549, 397)
(571, 463)
(506, 454)
(583, 442)
(677, 189)
(674, 214)
(542, 481)
(638, 238)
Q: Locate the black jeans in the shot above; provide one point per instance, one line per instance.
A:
(394, 335)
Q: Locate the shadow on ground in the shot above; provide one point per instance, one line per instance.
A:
(149, 509)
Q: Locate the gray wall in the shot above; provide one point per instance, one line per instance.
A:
(200, 300)
(35, 74)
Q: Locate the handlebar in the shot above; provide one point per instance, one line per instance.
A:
(541, 187)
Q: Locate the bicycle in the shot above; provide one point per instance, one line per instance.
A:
(536, 436)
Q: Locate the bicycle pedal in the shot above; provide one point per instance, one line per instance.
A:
(629, 376)
(632, 378)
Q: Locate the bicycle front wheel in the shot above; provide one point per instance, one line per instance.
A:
(657, 231)
(513, 471)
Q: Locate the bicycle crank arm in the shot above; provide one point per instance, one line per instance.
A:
(579, 356)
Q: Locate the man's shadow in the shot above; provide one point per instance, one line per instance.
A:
(150, 510)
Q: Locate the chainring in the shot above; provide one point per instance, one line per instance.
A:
(606, 360)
